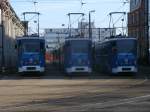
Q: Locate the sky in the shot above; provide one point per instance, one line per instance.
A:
(54, 12)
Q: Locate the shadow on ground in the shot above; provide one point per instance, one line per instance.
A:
(55, 73)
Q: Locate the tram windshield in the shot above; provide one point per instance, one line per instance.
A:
(80, 46)
(31, 46)
(126, 46)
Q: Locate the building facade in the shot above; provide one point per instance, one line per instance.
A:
(138, 26)
(10, 28)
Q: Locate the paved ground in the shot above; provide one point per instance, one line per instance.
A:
(55, 92)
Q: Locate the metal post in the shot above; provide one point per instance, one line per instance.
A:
(110, 24)
(24, 16)
(70, 26)
(59, 50)
(122, 27)
(99, 35)
(89, 25)
(38, 25)
(90, 29)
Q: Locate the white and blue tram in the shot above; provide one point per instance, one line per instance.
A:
(116, 55)
(31, 54)
(76, 55)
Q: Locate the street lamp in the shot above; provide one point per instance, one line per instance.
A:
(90, 31)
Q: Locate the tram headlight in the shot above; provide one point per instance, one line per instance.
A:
(35, 62)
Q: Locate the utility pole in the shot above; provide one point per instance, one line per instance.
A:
(122, 26)
(99, 33)
(89, 25)
(90, 30)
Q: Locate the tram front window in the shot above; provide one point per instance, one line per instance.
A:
(31, 47)
(80, 46)
(126, 46)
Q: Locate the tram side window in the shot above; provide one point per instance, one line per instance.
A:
(42, 46)
(105, 49)
(67, 46)
(102, 49)
(98, 50)
(127, 46)
(114, 46)
(19, 47)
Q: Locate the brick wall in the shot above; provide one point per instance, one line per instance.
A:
(138, 27)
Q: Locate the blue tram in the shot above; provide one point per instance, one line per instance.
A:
(116, 55)
(76, 55)
(31, 54)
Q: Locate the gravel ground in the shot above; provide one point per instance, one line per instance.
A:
(55, 92)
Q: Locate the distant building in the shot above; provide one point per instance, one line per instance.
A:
(138, 26)
(55, 36)
(98, 34)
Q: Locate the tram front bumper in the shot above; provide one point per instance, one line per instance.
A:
(78, 70)
(31, 69)
(124, 69)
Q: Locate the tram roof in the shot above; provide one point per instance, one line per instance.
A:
(68, 39)
(117, 38)
(29, 37)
